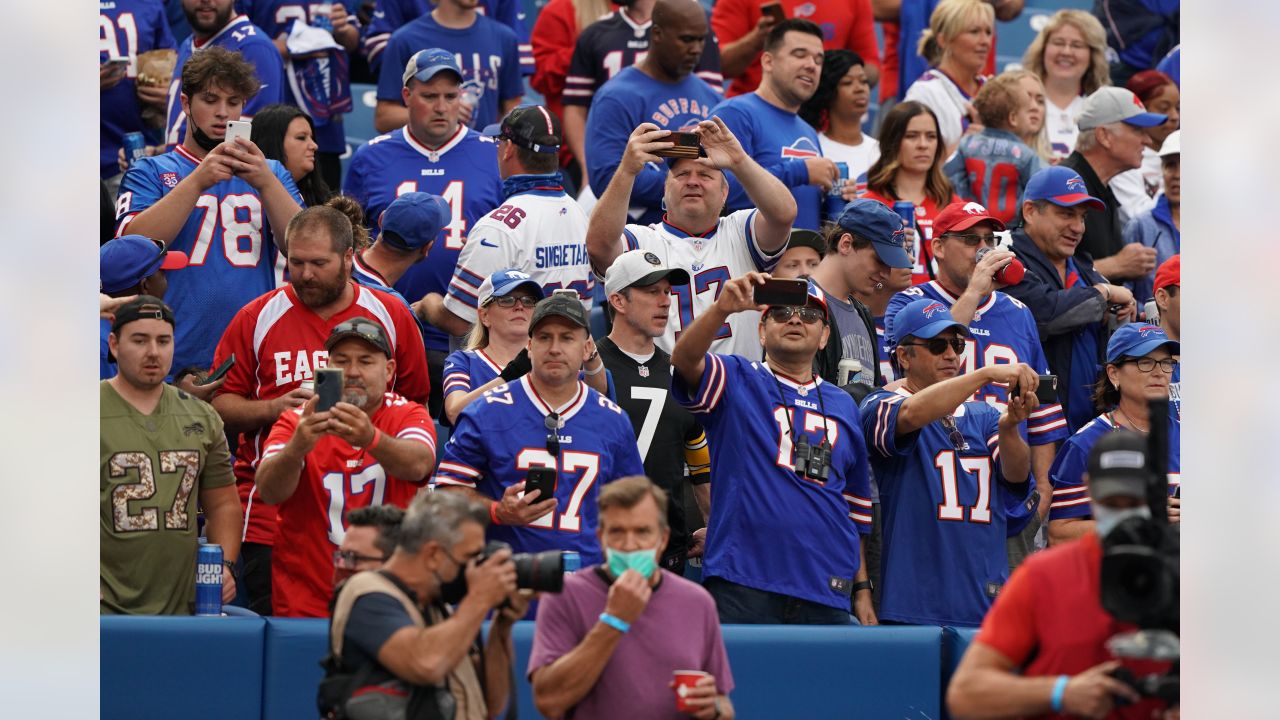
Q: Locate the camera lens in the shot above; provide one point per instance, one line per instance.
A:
(540, 572)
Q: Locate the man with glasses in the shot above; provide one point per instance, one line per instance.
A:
(791, 495)
(372, 447)
(545, 428)
(369, 540)
(951, 472)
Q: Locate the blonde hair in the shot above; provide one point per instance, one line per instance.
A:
(1040, 142)
(586, 12)
(1099, 73)
(478, 336)
(949, 19)
(999, 98)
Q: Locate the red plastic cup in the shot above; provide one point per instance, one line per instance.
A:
(1012, 273)
(685, 680)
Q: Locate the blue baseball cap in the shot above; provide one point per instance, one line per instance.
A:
(1138, 339)
(924, 319)
(414, 219)
(1061, 186)
(425, 64)
(873, 220)
(129, 259)
(505, 282)
(817, 296)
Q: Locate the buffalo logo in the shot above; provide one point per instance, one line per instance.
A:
(652, 259)
(898, 237)
(801, 148)
(973, 208)
(194, 428)
(932, 309)
(806, 10)
(1075, 183)
(169, 179)
(517, 275)
(1146, 330)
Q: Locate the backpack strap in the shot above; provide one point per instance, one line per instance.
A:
(356, 587)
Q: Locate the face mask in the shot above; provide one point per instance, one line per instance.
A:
(1106, 519)
(453, 591)
(644, 562)
(203, 139)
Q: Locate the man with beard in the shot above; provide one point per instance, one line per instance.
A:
(278, 340)
(213, 200)
(215, 23)
(373, 447)
(770, 130)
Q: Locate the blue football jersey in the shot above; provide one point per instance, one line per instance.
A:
(466, 370)
(992, 168)
(624, 102)
(389, 15)
(1070, 495)
(943, 501)
(487, 52)
(501, 435)
(1003, 331)
(233, 257)
(255, 45)
(770, 528)
(780, 141)
(464, 171)
(126, 29)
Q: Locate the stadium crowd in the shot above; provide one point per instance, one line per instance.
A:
(861, 360)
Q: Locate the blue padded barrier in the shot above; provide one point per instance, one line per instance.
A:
(954, 642)
(294, 648)
(181, 667)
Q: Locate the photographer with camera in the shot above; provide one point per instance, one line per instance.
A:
(397, 650)
(1048, 647)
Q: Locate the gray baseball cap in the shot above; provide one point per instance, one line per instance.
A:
(1115, 104)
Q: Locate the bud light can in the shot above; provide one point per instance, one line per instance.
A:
(838, 188)
(835, 197)
(572, 561)
(209, 580)
(321, 17)
(906, 211)
(135, 148)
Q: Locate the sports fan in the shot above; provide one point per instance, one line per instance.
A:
(391, 15)
(836, 111)
(370, 539)
(957, 43)
(127, 266)
(285, 133)
(1169, 304)
(1160, 228)
(1070, 56)
(554, 37)
(127, 29)
(1137, 189)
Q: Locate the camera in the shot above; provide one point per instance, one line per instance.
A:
(539, 572)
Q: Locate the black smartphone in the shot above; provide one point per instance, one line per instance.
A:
(220, 372)
(542, 479)
(329, 382)
(779, 291)
(775, 11)
(1046, 391)
(687, 145)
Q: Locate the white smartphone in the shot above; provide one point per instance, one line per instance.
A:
(238, 129)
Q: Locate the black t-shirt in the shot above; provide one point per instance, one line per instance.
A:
(1103, 235)
(643, 391)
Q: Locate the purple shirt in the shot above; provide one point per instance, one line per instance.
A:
(678, 630)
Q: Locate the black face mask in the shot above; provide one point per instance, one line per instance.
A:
(202, 139)
(453, 591)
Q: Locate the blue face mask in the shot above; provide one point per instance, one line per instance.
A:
(644, 562)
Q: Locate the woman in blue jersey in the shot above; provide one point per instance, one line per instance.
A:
(1140, 363)
(285, 133)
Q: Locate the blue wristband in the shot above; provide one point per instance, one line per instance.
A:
(1059, 689)
(616, 623)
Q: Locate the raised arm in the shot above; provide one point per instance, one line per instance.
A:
(609, 216)
(689, 356)
(776, 206)
(941, 399)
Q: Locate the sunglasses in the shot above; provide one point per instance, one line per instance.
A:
(937, 346)
(953, 433)
(974, 239)
(783, 313)
(509, 301)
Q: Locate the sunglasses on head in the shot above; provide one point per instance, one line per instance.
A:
(509, 301)
(938, 345)
(808, 315)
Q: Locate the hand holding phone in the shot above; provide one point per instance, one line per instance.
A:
(773, 10)
(219, 373)
(1046, 391)
(542, 479)
(687, 145)
(329, 382)
(780, 291)
(238, 129)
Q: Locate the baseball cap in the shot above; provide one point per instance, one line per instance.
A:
(1115, 104)
(924, 319)
(1138, 339)
(872, 220)
(808, 238)
(1061, 186)
(569, 308)
(361, 328)
(960, 216)
(505, 282)
(414, 219)
(640, 268)
(1172, 144)
(532, 127)
(1169, 273)
(425, 64)
(143, 307)
(1118, 465)
(816, 296)
(128, 259)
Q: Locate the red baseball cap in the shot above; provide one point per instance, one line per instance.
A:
(960, 216)
(1169, 273)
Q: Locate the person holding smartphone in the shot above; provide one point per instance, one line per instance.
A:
(954, 474)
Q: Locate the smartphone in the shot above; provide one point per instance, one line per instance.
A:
(542, 479)
(1046, 391)
(329, 382)
(220, 372)
(687, 145)
(238, 129)
(773, 10)
(778, 291)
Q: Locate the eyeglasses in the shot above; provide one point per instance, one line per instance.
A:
(974, 239)
(953, 433)
(1064, 43)
(937, 346)
(1146, 364)
(783, 313)
(509, 301)
(350, 559)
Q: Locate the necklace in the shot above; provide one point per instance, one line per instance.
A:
(1131, 422)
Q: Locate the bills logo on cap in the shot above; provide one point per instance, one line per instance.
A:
(1148, 329)
(973, 208)
(517, 275)
(1075, 183)
(898, 237)
(933, 309)
(652, 259)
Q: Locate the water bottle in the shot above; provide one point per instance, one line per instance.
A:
(209, 580)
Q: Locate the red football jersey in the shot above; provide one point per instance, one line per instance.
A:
(278, 343)
(336, 478)
(922, 254)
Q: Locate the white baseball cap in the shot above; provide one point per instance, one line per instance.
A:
(640, 267)
(1172, 144)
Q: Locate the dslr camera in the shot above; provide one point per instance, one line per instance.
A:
(539, 572)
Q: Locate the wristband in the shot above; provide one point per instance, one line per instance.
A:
(377, 436)
(592, 373)
(617, 624)
(493, 513)
(1059, 689)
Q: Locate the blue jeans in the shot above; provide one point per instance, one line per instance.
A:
(744, 605)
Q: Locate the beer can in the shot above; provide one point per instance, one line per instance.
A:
(838, 189)
(135, 147)
(321, 17)
(209, 580)
(906, 211)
